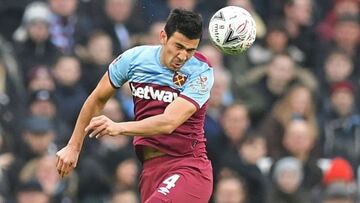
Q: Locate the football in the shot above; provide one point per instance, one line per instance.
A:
(232, 29)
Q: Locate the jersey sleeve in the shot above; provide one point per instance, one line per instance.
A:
(197, 89)
(119, 68)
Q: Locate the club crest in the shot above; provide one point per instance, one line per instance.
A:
(179, 79)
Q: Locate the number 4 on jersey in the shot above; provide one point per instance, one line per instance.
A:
(170, 183)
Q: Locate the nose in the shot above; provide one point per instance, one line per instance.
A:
(183, 55)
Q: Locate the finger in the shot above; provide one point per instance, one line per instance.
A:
(101, 134)
(59, 166)
(90, 125)
(96, 131)
(65, 169)
(93, 124)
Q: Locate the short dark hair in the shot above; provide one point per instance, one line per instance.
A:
(185, 22)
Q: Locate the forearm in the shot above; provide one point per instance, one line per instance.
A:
(174, 115)
(155, 125)
(91, 108)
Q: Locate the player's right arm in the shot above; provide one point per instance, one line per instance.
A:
(68, 156)
(116, 76)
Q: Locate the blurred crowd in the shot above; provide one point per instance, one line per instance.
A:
(283, 124)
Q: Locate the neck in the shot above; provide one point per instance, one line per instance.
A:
(302, 157)
(292, 28)
(275, 86)
(162, 57)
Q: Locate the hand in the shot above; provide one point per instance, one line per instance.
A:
(101, 125)
(67, 160)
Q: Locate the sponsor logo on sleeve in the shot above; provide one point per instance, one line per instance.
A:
(200, 85)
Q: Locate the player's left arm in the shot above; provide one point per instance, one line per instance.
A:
(194, 96)
(174, 115)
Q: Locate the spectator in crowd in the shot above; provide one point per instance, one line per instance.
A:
(36, 140)
(110, 151)
(126, 174)
(287, 177)
(218, 100)
(297, 103)
(43, 170)
(40, 78)
(67, 28)
(338, 66)
(345, 38)
(340, 170)
(31, 191)
(118, 24)
(95, 184)
(127, 196)
(230, 189)
(221, 95)
(276, 41)
(338, 193)
(235, 123)
(69, 93)
(299, 23)
(104, 157)
(98, 55)
(9, 61)
(339, 184)
(11, 106)
(44, 104)
(342, 124)
(33, 40)
(243, 160)
(263, 86)
(325, 28)
(300, 141)
(38, 137)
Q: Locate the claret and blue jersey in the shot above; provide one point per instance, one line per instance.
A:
(154, 86)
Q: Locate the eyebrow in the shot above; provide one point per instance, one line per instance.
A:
(182, 46)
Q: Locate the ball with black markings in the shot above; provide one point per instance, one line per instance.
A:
(232, 29)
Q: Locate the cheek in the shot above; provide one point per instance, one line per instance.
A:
(171, 51)
(170, 55)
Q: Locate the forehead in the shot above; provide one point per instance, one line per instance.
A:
(179, 38)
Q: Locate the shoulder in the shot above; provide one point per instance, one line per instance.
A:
(137, 53)
(201, 58)
(142, 50)
(198, 64)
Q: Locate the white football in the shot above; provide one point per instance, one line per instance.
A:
(232, 29)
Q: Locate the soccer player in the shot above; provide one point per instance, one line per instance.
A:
(170, 85)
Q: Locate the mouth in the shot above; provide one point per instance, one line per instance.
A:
(177, 66)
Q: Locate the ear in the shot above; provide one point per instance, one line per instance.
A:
(163, 37)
